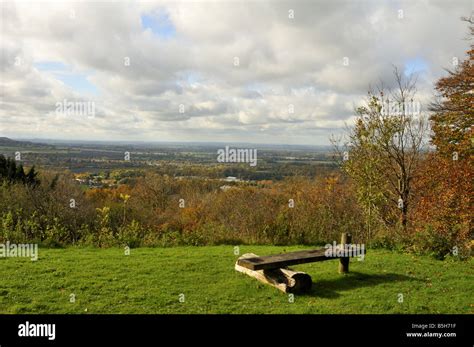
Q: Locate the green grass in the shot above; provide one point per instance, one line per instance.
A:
(150, 280)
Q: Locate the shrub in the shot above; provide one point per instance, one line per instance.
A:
(104, 237)
(441, 244)
(131, 235)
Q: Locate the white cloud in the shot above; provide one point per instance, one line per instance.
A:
(282, 62)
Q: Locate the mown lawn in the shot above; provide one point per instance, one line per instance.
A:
(150, 280)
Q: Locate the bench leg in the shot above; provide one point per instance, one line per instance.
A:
(344, 262)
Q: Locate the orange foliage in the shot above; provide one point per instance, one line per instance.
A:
(444, 200)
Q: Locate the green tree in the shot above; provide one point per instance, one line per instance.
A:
(381, 152)
(13, 173)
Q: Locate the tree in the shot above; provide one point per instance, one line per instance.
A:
(383, 150)
(11, 173)
(453, 119)
(444, 213)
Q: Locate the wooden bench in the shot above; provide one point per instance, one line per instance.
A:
(283, 260)
(273, 269)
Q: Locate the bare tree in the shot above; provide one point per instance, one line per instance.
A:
(383, 148)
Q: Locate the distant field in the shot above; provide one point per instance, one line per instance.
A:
(174, 159)
(150, 280)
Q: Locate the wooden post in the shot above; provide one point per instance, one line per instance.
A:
(285, 279)
(344, 262)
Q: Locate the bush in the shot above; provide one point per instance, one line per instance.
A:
(12, 229)
(440, 245)
(148, 214)
(131, 235)
(105, 236)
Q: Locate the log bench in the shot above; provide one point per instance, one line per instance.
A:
(274, 270)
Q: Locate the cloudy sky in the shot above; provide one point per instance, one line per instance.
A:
(287, 72)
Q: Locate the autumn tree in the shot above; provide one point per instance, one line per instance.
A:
(444, 213)
(453, 118)
(383, 149)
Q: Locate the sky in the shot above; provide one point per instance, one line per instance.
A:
(281, 72)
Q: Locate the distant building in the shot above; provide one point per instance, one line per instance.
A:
(225, 188)
(92, 183)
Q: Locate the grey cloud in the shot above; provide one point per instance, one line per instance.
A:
(282, 61)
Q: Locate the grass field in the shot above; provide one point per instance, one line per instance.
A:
(150, 280)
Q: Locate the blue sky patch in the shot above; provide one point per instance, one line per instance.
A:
(416, 65)
(159, 23)
(64, 73)
(50, 66)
